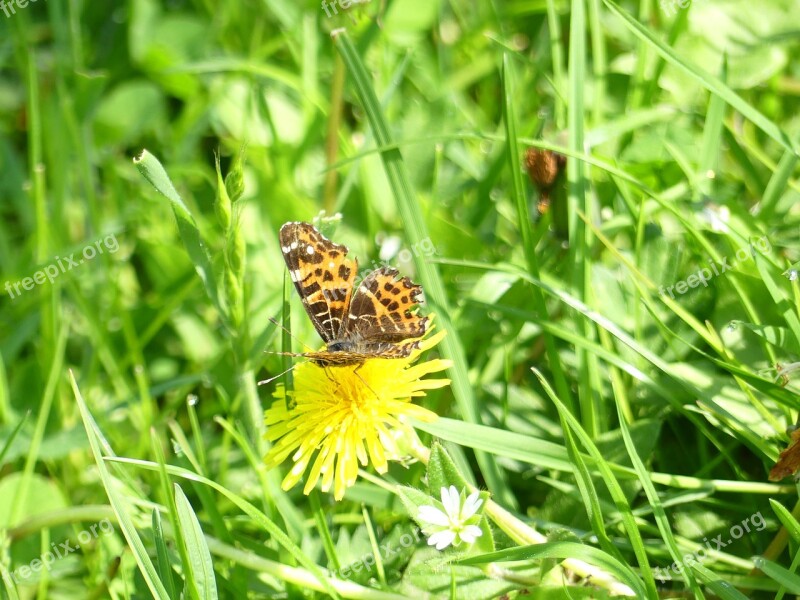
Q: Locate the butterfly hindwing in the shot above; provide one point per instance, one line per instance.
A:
(322, 274)
(380, 310)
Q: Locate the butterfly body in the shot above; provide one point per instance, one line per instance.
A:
(373, 320)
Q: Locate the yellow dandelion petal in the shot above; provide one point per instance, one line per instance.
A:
(361, 451)
(292, 478)
(429, 342)
(313, 476)
(376, 453)
(342, 416)
(431, 384)
(431, 366)
(350, 467)
(328, 471)
(418, 412)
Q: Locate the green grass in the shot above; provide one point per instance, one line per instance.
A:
(614, 421)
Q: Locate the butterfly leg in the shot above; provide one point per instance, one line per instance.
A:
(355, 372)
(328, 374)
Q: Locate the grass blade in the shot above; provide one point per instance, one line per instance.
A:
(119, 504)
(200, 572)
(259, 517)
(416, 231)
(708, 81)
(561, 550)
(162, 555)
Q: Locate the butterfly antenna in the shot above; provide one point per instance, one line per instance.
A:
(291, 334)
(266, 381)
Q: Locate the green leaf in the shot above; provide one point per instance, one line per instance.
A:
(132, 110)
(786, 578)
(152, 170)
(724, 589)
(429, 575)
(413, 499)
(43, 495)
(787, 519)
(200, 568)
(442, 471)
(546, 455)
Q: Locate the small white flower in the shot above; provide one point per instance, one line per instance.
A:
(717, 216)
(454, 525)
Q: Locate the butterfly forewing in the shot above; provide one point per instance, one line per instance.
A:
(322, 274)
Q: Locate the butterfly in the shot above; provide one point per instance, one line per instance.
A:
(374, 320)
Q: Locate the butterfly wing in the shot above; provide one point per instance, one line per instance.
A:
(322, 274)
(380, 311)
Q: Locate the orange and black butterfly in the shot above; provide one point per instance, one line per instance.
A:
(374, 320)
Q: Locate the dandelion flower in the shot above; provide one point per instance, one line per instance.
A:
(457, 523)
(338, 417)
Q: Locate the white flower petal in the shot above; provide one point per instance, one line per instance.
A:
(451, 501)
(470, 532)
(471, 505)
(442, 539)
(432, 515)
